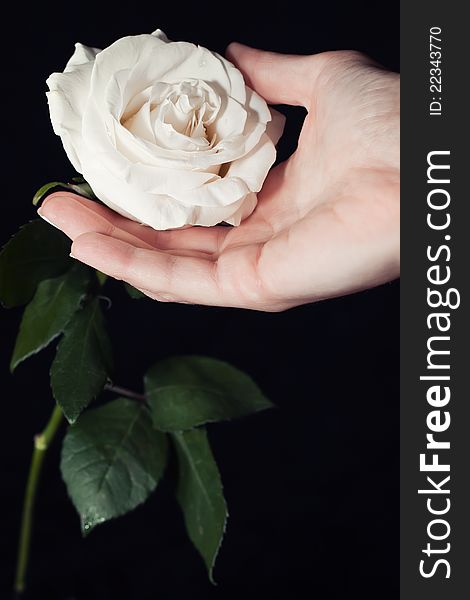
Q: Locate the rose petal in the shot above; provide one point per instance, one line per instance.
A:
(82, 55)
(275, 128)
(158, 211)
(243, 211)
(171, 182)
(140, 124)
(150, 59)
(254, 166)
(230, 121)
(223, 191)
(67, 100)
(209, 216)
(161, 35)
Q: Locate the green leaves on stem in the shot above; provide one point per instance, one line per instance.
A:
(35, 253)
(83, 361)
(183, 393)
(114, 456)
(112, 460)
(36, 262)
(187, 391)
(199, 493)
(46, 316)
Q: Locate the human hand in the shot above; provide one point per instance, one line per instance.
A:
(327, 219)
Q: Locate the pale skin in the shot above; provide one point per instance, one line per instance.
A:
(327, 220)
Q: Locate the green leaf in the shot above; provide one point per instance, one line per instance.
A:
(36, 252)
(186, 391)
(102, 278)
(82, 189)
(199, 493)
(83, 361)
(133, 292)
(43, 190)
(46, 316)
(112, 460)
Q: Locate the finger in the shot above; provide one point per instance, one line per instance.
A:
(279, 78)
(76, 215)
(74, 219)
(202, 239)
(176, 278)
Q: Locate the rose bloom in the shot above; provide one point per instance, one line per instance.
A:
(166, 133)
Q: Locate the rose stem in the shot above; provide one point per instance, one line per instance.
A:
(41, 443)
(122, 391)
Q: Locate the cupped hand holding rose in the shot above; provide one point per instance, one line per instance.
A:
(326, 222)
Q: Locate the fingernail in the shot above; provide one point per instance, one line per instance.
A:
(73, 256)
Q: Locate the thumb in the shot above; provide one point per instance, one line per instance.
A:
(278, 78)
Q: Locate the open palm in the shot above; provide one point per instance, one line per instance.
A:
(327, 220)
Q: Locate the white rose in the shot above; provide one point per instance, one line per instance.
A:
(166, 133)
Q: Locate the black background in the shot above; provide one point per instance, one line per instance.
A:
(312, 486)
